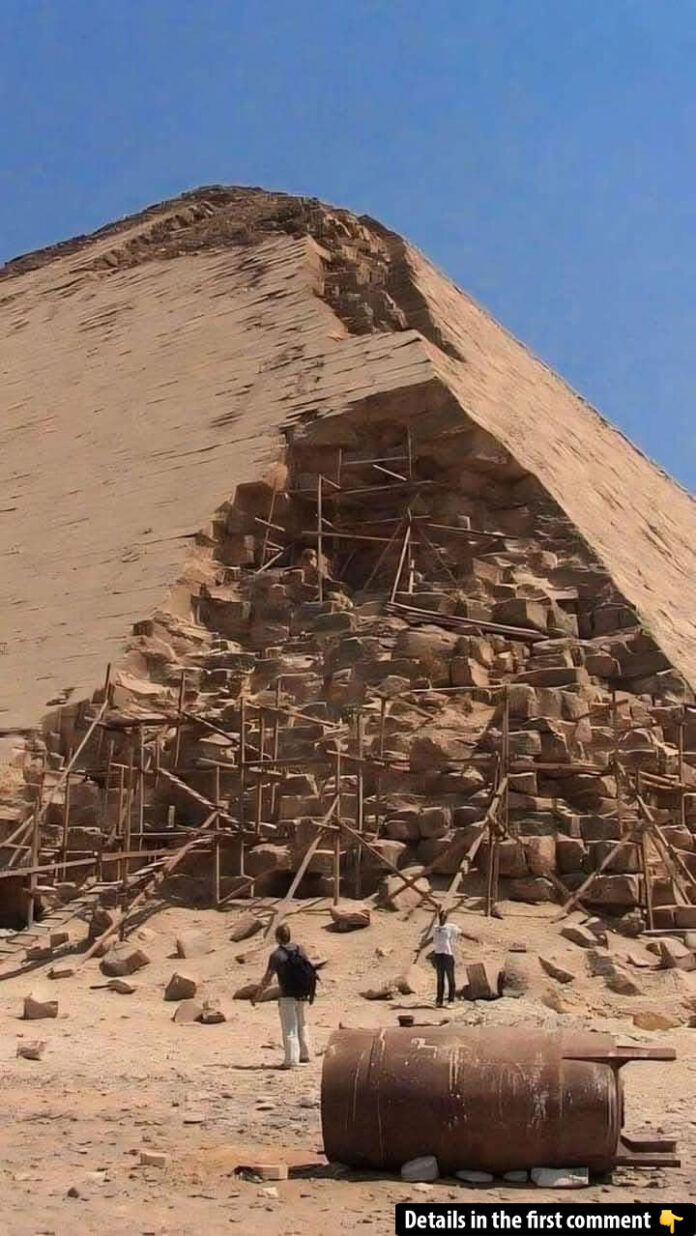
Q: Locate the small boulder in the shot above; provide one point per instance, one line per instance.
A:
(484, 980)
(61, 970)
(581, 936)
(472, 1177)
(153, 1158)
(33, 1050)
(123, 986)
(38, 1005)
(349, 916)
(246, 926)
(384, 991)
(654, 1021)
(561, 1177)
(181, 987)
(191, 944)
(212, 1014)
(123, 959)
(555, 970)
(188, 1012)
(424, 1169)
(675, 955)
(393, 895)
(616, 978)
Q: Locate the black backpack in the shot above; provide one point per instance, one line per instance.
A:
(297, 974)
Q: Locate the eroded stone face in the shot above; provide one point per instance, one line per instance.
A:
(439, 618)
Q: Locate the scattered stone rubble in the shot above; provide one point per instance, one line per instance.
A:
(411, 664)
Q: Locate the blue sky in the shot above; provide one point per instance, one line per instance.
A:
(541, 151)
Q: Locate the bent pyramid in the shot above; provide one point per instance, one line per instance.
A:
(181, 390)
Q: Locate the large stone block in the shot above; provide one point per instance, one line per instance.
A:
(621, 891)
(522, 612)
(571, 853)
(434, 821)
(540, 854)
(393, 896)
(531, 888)
(267, 857)
(563, 677)
(466, 672)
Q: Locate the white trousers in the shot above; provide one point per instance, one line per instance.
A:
(292, 1024)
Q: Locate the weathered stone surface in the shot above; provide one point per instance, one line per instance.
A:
(540, 853)
(123, 959)
(192, 944)
(531, 888)
(424, 1169)
(556, 970)
(615, 976)
(579, 935)
(520, 612)
(32, 1050)
(188, 1012)
(393, 896)
(570, 854)
(181, 987)
(465, 672)
(512, 860)
(434, 821)
(561, 1177)
(212, 1013)
(484, 980)
(267, 857)
(614, 890)
(38, 1005)
(676, 956)
(247, 925)
(350, 916)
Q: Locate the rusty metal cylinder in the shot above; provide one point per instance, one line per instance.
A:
(494, 1099)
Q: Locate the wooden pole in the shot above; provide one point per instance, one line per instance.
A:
(66, 821)
(393, 538)
(141, 784)
(320, 538)
(275, 746)
(647, 879)
(402, 557)
(216, 863)
(360, 804)
(616, 763)
(242, 759)
(180, 720)
(682, 795)
(337, 837)
(259, 783)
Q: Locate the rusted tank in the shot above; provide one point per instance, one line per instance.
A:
(495, 1099)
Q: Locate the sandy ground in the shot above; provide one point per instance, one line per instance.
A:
(118, 1077)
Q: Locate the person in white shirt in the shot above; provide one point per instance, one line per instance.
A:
(444, 936)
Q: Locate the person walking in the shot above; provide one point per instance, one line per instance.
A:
(297, 980)
(444, 936)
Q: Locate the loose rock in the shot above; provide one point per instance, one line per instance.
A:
(425, 1168)
(37, 1005)
(561, 1177)
(181, 987)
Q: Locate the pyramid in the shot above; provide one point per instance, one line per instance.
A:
(256, 448)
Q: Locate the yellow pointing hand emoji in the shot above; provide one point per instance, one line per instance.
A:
(668, 1219)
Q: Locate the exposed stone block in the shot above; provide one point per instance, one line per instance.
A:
(521, 612)
(540, 853)
(531, 888)
(267, 857)
(614, 890)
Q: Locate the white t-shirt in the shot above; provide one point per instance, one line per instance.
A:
(444, 937)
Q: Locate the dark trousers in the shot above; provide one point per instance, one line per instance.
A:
(444, 965)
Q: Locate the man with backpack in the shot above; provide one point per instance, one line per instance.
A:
(297, 980)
